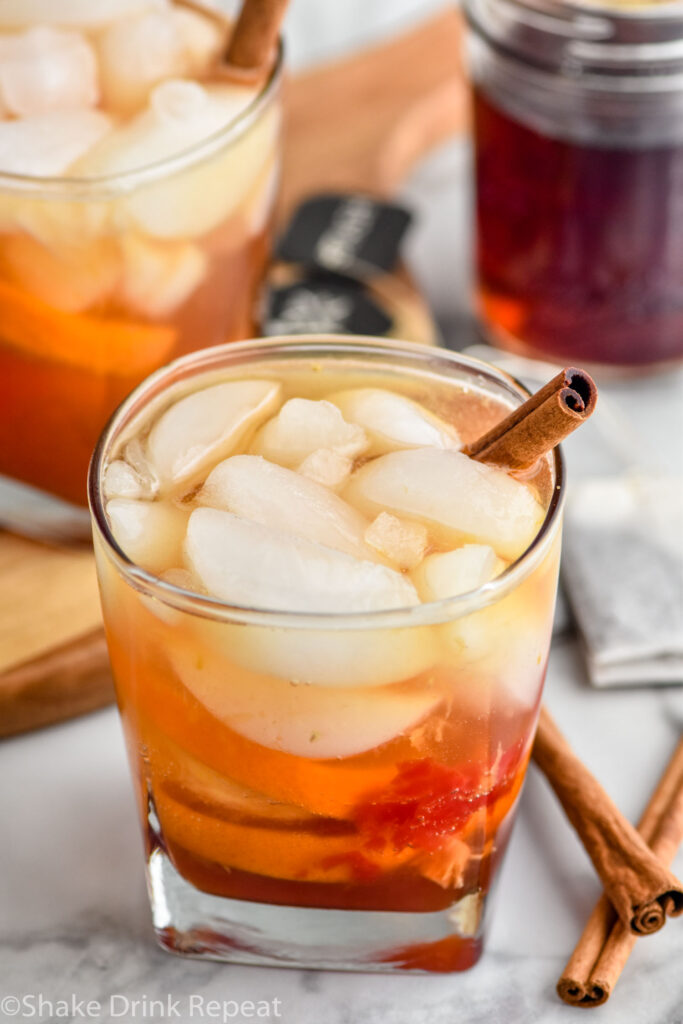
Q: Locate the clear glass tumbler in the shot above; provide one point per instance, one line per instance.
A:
(328, 790)
(106, 277)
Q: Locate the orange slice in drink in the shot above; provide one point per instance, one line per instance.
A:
(323, 787)
(153, 692)
(102, 345)
(72, 278)
(263, 848)
(222, 821)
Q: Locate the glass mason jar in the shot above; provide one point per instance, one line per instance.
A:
(104, 279)
(326, 790)
(578, 124)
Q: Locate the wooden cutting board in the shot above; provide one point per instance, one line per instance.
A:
(359, 124)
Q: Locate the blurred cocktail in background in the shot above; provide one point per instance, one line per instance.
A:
(137, 187)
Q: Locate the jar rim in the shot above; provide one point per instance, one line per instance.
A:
(594, 40)
(427, 613)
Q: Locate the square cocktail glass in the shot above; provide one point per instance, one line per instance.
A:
(329, 630)
(134, 228)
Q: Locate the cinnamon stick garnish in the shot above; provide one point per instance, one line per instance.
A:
(253, 44)
(605, 944)
(545, 419)
(641, 889)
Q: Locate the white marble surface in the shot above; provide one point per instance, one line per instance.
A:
(74, 922)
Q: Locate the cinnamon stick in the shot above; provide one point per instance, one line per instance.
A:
(253, 43)
(545, 419)
(605, 944)
(641, 889)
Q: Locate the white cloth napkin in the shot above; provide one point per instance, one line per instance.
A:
(622, 569)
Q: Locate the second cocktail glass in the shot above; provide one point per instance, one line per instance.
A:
(152, 243)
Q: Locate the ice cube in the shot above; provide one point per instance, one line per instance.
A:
(498, 652)
(256, 566)
(450, 573)
(137, 53)
(252, 488)
(204, 37)
(403, 542)
(46, 145)
(393, 421)
(326, 467)
(69, 277)
(307, 721)
(47, 69)
(206, 426)
(136, 457)
(179, 115)
(458, 499)
(158, 277)
(198, 110)
(199, 198)
(328, 657)
(302, 426)
(502, 648)
(150, 533)
(81, 13)
(121, 481)
(250, 565)
(166, 612)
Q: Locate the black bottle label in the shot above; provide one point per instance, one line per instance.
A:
(317, 306)
(352, 235)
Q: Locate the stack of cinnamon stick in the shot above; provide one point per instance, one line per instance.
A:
(639, 890)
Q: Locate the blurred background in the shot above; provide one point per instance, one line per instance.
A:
(438, 247)
(322, 31)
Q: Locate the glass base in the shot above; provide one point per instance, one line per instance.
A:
(32, 513)
(199, 925)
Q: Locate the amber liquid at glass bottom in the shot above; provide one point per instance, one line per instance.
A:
(378, 855)
(580, 250)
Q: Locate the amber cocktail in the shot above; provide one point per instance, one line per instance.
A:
(136, 197)
(329, 630)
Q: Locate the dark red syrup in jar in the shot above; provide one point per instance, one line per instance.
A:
(580, 247)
